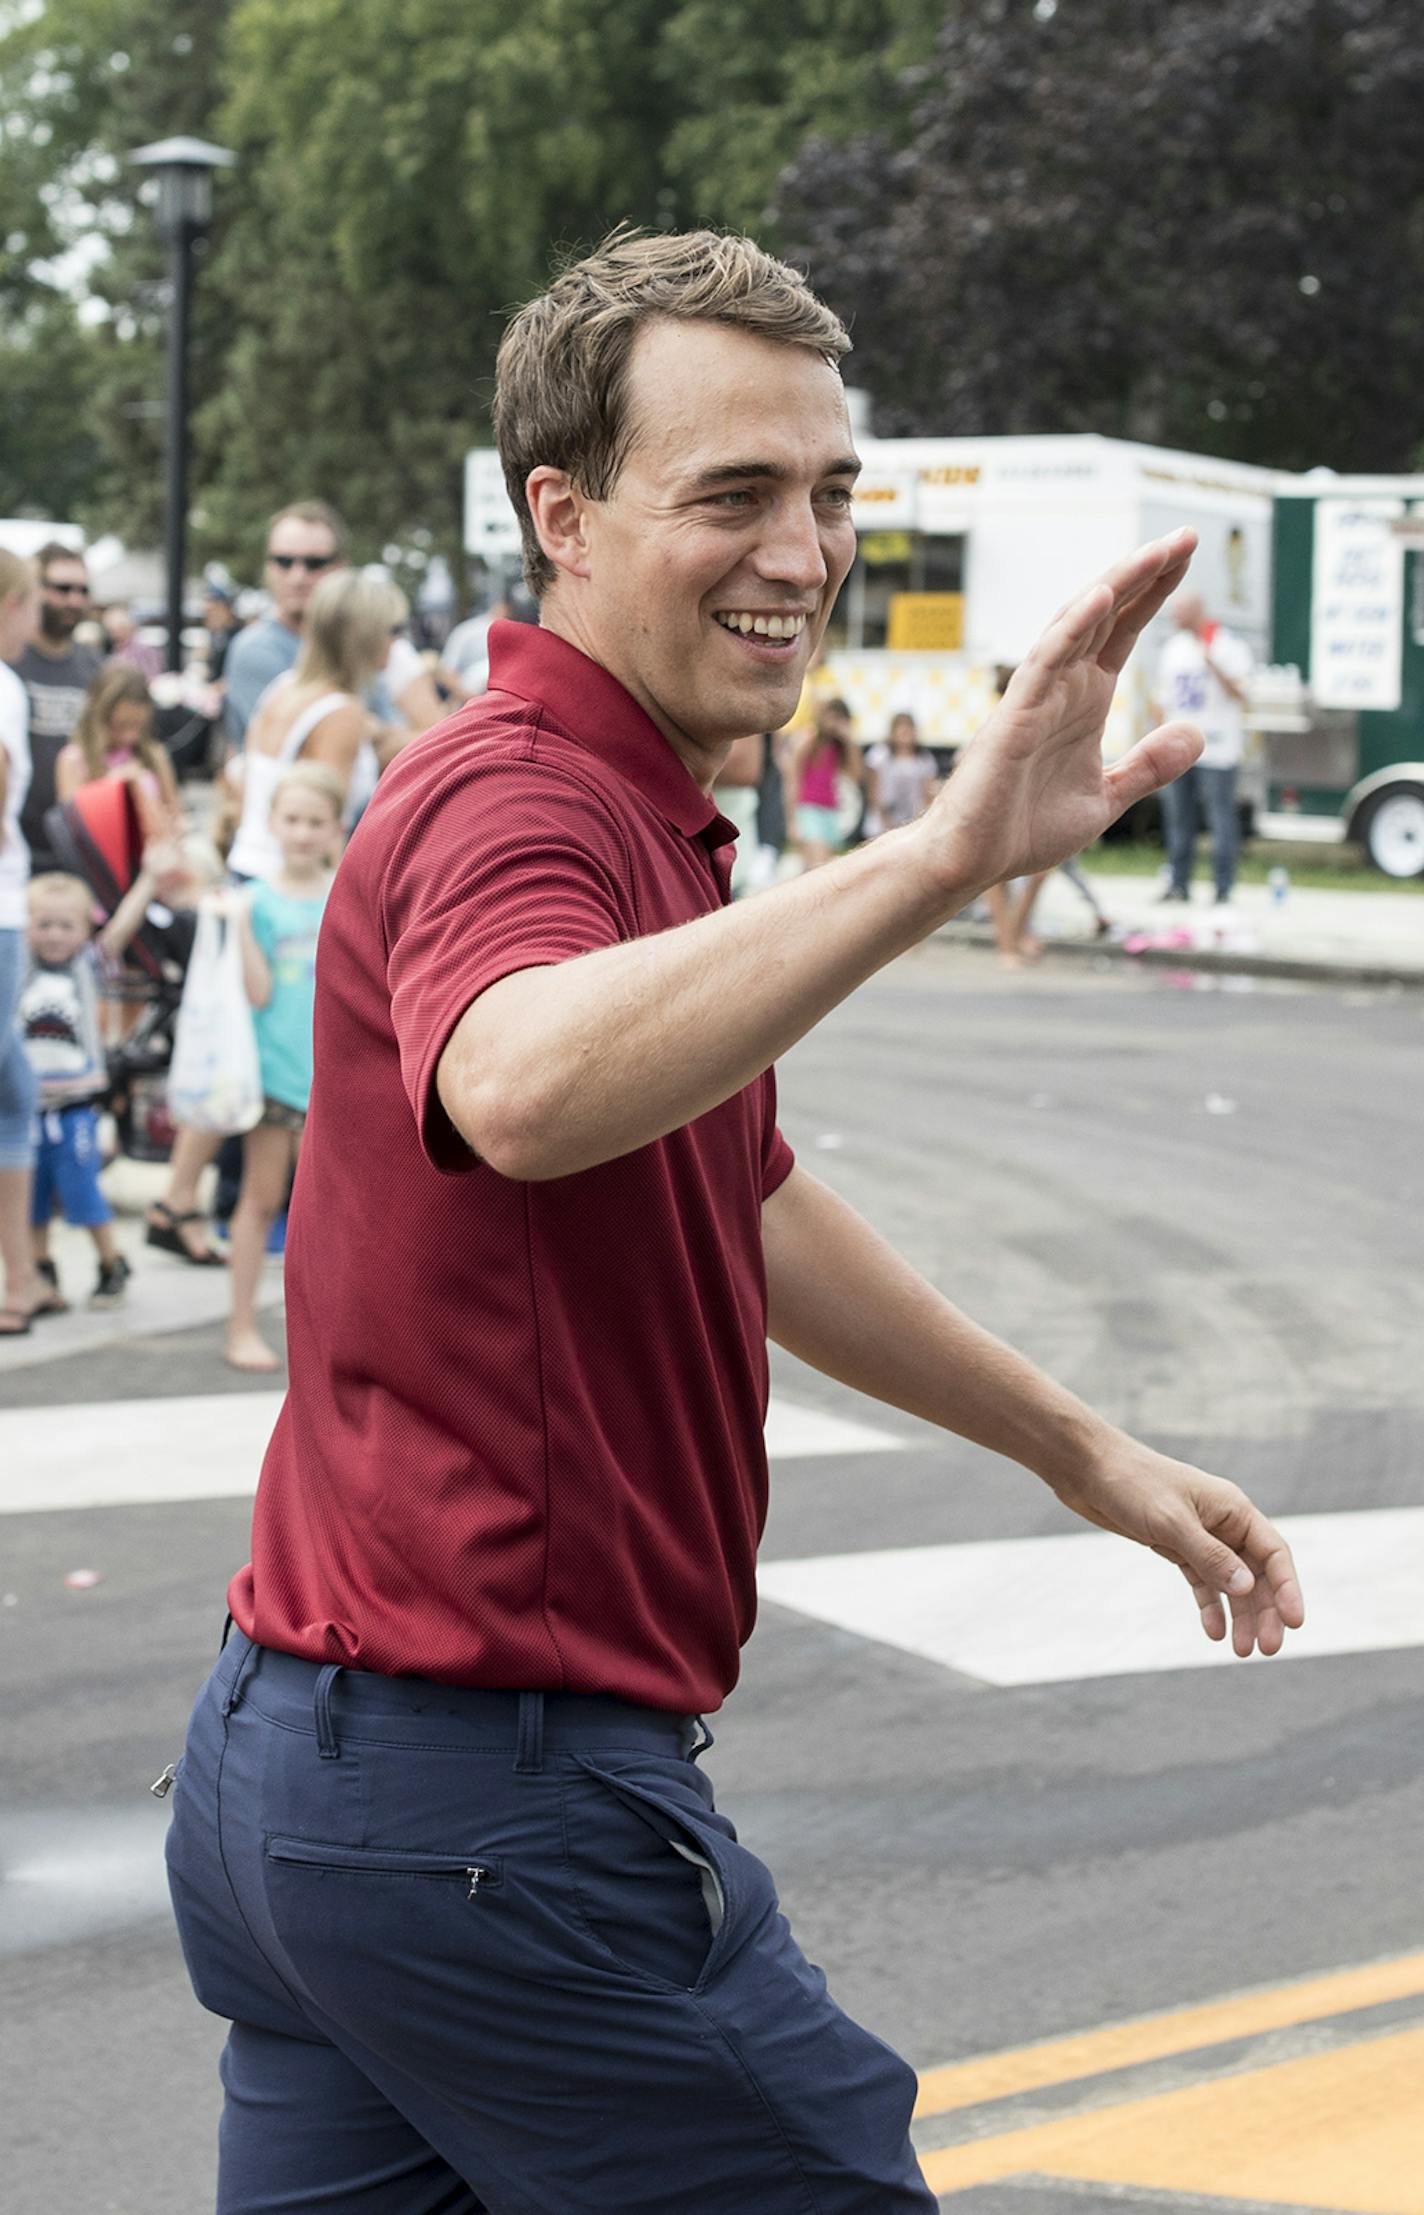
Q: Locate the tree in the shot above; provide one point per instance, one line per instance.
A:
(1193, 223)
(83, 84)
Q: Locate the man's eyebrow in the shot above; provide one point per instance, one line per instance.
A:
(737, 472)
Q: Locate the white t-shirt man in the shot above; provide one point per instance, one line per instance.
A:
(1189, 689)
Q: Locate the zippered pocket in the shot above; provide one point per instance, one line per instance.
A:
(478, 1873)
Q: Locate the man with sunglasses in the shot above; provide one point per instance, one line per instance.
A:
(56, 673)
(305, 542)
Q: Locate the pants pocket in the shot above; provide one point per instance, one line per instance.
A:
(650, 1877)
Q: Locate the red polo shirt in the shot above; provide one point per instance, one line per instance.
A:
(522, 1443)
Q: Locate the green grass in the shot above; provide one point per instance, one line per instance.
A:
(1337, 869)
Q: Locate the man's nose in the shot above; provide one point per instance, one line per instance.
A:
(790, 551)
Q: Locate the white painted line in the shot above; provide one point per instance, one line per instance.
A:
(122, 1453)
(125, 1453)
(1051, 1610)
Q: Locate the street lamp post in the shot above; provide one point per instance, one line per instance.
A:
(184, 169)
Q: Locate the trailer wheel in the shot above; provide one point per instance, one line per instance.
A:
(1391, 830)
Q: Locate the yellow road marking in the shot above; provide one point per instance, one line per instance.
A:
(1335, 2130)
(1154, 2037)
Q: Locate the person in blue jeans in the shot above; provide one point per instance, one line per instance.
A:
(279, 917)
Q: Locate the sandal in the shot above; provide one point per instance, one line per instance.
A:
(51, 1300)
(167, 1236)
(14, 1322)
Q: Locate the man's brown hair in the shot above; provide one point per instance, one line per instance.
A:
(312, 511)
(53, 550)
(561, 382)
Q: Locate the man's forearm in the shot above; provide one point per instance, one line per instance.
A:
(555, 1069)
(845, 1302)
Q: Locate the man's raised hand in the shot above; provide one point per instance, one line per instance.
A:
(1032, 788)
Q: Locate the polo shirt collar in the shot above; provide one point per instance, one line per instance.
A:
(594, 710)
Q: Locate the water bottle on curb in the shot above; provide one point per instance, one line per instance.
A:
(1279, 884)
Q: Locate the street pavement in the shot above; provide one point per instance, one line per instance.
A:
(1147, 1920)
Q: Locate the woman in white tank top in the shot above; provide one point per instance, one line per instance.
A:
(315, 710)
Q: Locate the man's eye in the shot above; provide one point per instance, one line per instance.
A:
(732, 499)
(839, 496)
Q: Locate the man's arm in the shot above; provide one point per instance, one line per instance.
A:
(555, 1069)
(844, 1301)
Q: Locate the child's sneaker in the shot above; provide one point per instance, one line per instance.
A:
(113, 1283)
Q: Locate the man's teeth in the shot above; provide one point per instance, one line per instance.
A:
(765, 626)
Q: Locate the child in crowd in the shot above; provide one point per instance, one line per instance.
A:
(280, 917)
(116, 737)
(58, 1019)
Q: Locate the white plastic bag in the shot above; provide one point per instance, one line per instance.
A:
(214, 1079)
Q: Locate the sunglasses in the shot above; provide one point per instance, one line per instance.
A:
(312, 563)
(67, 592)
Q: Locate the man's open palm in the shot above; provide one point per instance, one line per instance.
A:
(1032, 789)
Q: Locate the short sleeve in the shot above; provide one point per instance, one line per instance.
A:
(262, 922)
(519, 866)
(777, 1159)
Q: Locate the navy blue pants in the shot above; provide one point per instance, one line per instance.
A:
(490, 1953)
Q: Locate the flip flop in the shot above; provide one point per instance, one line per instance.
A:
(14, 1323)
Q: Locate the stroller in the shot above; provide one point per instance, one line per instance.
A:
(98, 836)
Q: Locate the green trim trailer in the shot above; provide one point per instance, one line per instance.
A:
(1341, 710)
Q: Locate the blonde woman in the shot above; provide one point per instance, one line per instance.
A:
(314, 712)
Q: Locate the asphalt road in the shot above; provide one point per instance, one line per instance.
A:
(1198, 1208)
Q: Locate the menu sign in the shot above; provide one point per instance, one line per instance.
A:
(1357, 604)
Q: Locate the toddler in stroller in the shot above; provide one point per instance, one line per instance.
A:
(146, 892)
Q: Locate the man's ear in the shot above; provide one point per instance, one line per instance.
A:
(560, 515)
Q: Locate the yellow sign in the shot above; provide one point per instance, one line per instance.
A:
(879, 547)
(926, 623)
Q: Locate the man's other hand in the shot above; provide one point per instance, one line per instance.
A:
(1229, 1553)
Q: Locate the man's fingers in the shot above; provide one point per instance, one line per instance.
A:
(1133, 619)
(1154, 761)
(1256, 1578)
(1115, 609)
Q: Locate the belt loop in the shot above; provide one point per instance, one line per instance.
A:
(234, 1690)
(529, 1756)
(328, 1744)
(702, 1744)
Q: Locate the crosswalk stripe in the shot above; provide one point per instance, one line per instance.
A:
(1019, 1611)
(128, 1453)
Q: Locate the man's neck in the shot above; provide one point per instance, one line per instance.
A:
(54, 649)
(701, 763)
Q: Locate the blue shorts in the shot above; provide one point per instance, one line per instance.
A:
(67, 1165)
(496, 1953)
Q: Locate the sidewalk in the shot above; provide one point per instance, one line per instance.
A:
(1356, 937)
(164, 1294)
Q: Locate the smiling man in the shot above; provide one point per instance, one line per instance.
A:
(442, 1849)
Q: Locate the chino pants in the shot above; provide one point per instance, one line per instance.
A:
(492, 1953)
(1196, 793)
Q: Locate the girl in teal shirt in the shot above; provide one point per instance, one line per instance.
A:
(280, 919)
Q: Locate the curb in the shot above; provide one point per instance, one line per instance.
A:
(1211, 961)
